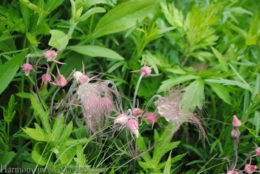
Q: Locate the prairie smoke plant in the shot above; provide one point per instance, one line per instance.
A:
(232, 172)
(137, 112)
(170, 108)
(27, 68)
(236, 122)
(50, 55)
(96, 102)
(151, 118)
(250, 168)
(132, 125)
(80, 77)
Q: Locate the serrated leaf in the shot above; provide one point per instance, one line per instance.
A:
(221, 91)
(167, 168)
(9, 69)
(96, 51)
(59, 39)
(37, 133)
(5, 159)
(37, 155)
(32, 39)
(168, 84)
(123, 17)
(57, 128)
(220, 58)
(193, 96)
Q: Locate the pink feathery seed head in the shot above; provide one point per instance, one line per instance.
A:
(137, 112)
(50, 55)
(250, 168)
(46, 78)
(132, 125)
(61, 81)
(236, 122)
(80, 77)
(146, 71)
(151, 118)
(257, 151)
(121, 119)
(107, 102)
(27, 68)
(232, 172)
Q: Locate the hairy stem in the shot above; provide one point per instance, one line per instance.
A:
(136, 89)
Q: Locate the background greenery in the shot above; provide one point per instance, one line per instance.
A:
(208, 48)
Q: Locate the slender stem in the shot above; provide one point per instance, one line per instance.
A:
(136, 88)
(236, 153)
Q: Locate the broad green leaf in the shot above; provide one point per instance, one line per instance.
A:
(142, 146)
(59, 39)
(52, 5)
(229, 82)
(5, 159)
(240, 77)
(87, 4)
(32, 6)
(96, 51)
(168, 84)
(123, 17)
(37, 155)
(57, 128)
(32, 39)
(221, 91)
(167, 168)
(90, 12)
(37, 133)
(9, 69)
(193, 96)
(220, 58)
(38, 109)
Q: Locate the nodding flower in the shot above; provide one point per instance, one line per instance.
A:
(50, 55)
(137, 112)
(250, 168)
(151, 118)
(236, 122)
(80, 77)
(257, 151)
(60, 81)
(46, 78)
(146, 71)
(121, 119)
(27, 68)
(132, 125)
(232, 172)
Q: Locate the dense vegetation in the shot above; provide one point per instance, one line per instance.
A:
(130, 86)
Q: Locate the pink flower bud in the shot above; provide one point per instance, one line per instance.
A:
(80, 77)
(27, 68)
(46, 78)
(50, 55)
(250, 168)
(146, 71)
(257, 151)
(235, 134)
(236, 122)
(132, 125)
(137, 112)
(121, 119)
(151, 118)
(232, 172)
(61, 81)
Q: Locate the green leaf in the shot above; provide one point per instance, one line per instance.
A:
(193, 96)
(90, 12)
(9, 113)
(220, 58)
(5, 159)
(37, 133)
(32, 6)
(32, 39)
(59, 39)
(168, 84)
(221, 91)
(9, 69)
(96, 51)
(123, 17)
(37, 156)
(57, 128)
(229, 82)
(167, 168)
